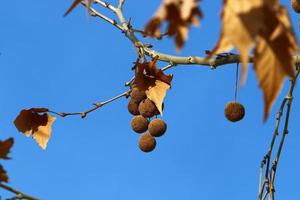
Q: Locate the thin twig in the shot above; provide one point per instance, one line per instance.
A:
(106, 5)
(94, 13)
(83, 114)
(270, 171)
(19, 195)
(120, 5)
(176, 60)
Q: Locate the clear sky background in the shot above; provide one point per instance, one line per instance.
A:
(66, 64)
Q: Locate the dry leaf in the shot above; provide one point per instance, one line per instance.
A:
(265, 25)
(179, 15)
(30, 122)
(43, 133)
(76, 3)
(5, 148)
(3, 175)
(153, 81)
(157, 93)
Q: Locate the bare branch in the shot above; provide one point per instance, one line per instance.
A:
(83, 114)
(120, 5)
(19, 195)
(175, 60)
(106, 5)
(94, 13)
(270, 171)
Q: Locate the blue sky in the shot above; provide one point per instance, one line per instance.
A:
(66, 64)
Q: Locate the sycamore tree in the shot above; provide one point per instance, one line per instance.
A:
(256, 33)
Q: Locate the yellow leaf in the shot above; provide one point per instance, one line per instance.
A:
(267, 70)
(30, 122)
(153, 81)
(43, 133)
(157, 93)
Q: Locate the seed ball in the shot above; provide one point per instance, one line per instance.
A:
(296, 5)
(147, 108)
(234, 111)
(157, 127)
(147, 142)
(133, 107)
(139, 124)
(137, 95)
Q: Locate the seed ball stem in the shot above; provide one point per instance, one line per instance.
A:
(147, 142)
(139, 124)
(157, 127)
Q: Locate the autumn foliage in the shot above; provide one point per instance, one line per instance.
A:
(260, 30)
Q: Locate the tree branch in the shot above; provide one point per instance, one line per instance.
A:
(83, 114)
(95, 13)
(106, 5)
(270, 171)
(172, 59)
(19, 195)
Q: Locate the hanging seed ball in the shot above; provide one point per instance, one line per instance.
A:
(147, 108)
(137, 95)
(234, 111)
(147, 142)
(157, 127)
(139, 124)
(133, 107)
(296, 5)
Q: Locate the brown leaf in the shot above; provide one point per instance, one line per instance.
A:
(266, 25)
(179, 15)
(75, 4)
(3, 175)
(30, 122)
(153, 81)
(5, 148)
(157, 93)
(43, 133)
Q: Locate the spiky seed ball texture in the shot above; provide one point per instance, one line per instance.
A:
(139, 124)
(296, 5)
(157, 127)
(147, 108)
(234, 111)
(147, 142)
(133, 107)
(137, 95)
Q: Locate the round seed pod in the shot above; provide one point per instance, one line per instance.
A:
(157, 127)
(137, 95)
(147, 108)
(234, 111)
(147, 142)
(296, 5)
(133, 107)
(139, 124)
